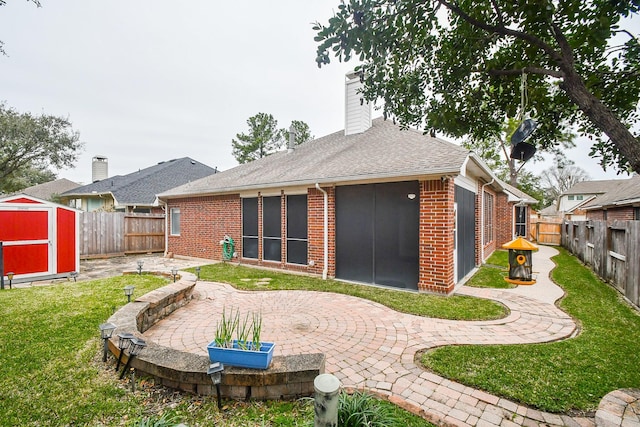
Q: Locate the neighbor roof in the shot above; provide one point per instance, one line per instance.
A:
(46, 190)
(593, 187)
(140, 188)
(520, 195)
(626, 192)
(381, 152)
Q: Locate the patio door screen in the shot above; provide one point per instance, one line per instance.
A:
(377, 233)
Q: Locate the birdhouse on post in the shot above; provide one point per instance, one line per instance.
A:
(520, 261)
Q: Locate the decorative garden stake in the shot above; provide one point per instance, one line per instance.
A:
(326, 400)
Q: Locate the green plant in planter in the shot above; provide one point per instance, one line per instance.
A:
(257, 330)
(226, 327)
(231, 325)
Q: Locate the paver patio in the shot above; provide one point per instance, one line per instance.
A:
(368, 345)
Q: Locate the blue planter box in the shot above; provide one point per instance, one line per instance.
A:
(242, 358)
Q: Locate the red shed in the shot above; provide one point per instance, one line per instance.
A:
(39, 238)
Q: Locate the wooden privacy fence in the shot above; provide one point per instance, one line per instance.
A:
(545, 231)
(117, 233)
(611, 249)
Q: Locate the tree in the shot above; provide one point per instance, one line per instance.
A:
(265, 138)
(301, 131)
(560, 177)
(463, 66)
(30, 145)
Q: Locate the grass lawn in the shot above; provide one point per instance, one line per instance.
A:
(570, 375)
(453, 307)
(52, 374)
(492, 274)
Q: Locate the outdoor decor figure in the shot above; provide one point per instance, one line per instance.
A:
(520, 261)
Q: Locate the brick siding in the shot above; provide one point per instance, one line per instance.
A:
(206, 220)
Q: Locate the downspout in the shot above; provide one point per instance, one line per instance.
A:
(482, 219)
(166, 230)
(325, 268)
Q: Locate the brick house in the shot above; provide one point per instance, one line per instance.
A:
(621, 202)
(370, 204)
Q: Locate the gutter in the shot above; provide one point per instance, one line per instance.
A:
(482, 219)
(325, 268)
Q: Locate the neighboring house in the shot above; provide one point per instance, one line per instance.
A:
(572, 201)
(371, 204)
(136, 192)
(622, 202)
(49, 191)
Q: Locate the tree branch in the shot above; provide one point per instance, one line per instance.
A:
(499, 29)
(529, 70)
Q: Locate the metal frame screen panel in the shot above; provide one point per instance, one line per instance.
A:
(297, 239)
(250, 228)
(271, 228)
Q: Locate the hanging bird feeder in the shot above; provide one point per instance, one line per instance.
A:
(520, 261)
(521, 150)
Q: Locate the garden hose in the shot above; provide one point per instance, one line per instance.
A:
(228, 248)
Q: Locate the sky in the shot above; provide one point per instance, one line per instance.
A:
(149, 81)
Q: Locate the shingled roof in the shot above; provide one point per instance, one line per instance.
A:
(593, 187)
(624, 192)
(47, 190)
(383, 151)
(140, 188)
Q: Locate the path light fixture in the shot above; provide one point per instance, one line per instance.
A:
(135, 347)
(106, 330)
(10, 277)
(74, 275)
(198, 268)
(215, 372)
(124, 340)
(128, 291)
(140, 264)
(174, 273)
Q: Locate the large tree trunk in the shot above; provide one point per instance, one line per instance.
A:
(603, 118)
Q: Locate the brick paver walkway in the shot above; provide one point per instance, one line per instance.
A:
(370, 346)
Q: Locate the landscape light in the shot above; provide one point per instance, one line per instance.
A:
(140, 264)
(124, 340)
(10, 277)
(136, 345)
(215, 372)
(174, 272)
(106, 330)
(128, 291)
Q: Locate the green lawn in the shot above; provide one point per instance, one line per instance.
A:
(52, 374)
(453, 307)
(568, 375)
(51, 371)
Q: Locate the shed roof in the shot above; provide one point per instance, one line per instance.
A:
(140, 188)
(382, 152)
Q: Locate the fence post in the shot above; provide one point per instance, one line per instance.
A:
(325, 404)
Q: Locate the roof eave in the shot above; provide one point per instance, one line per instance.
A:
(339, 180)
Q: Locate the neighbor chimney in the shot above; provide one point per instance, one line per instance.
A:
(99, 168)
(357, 111)
(292, 139)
